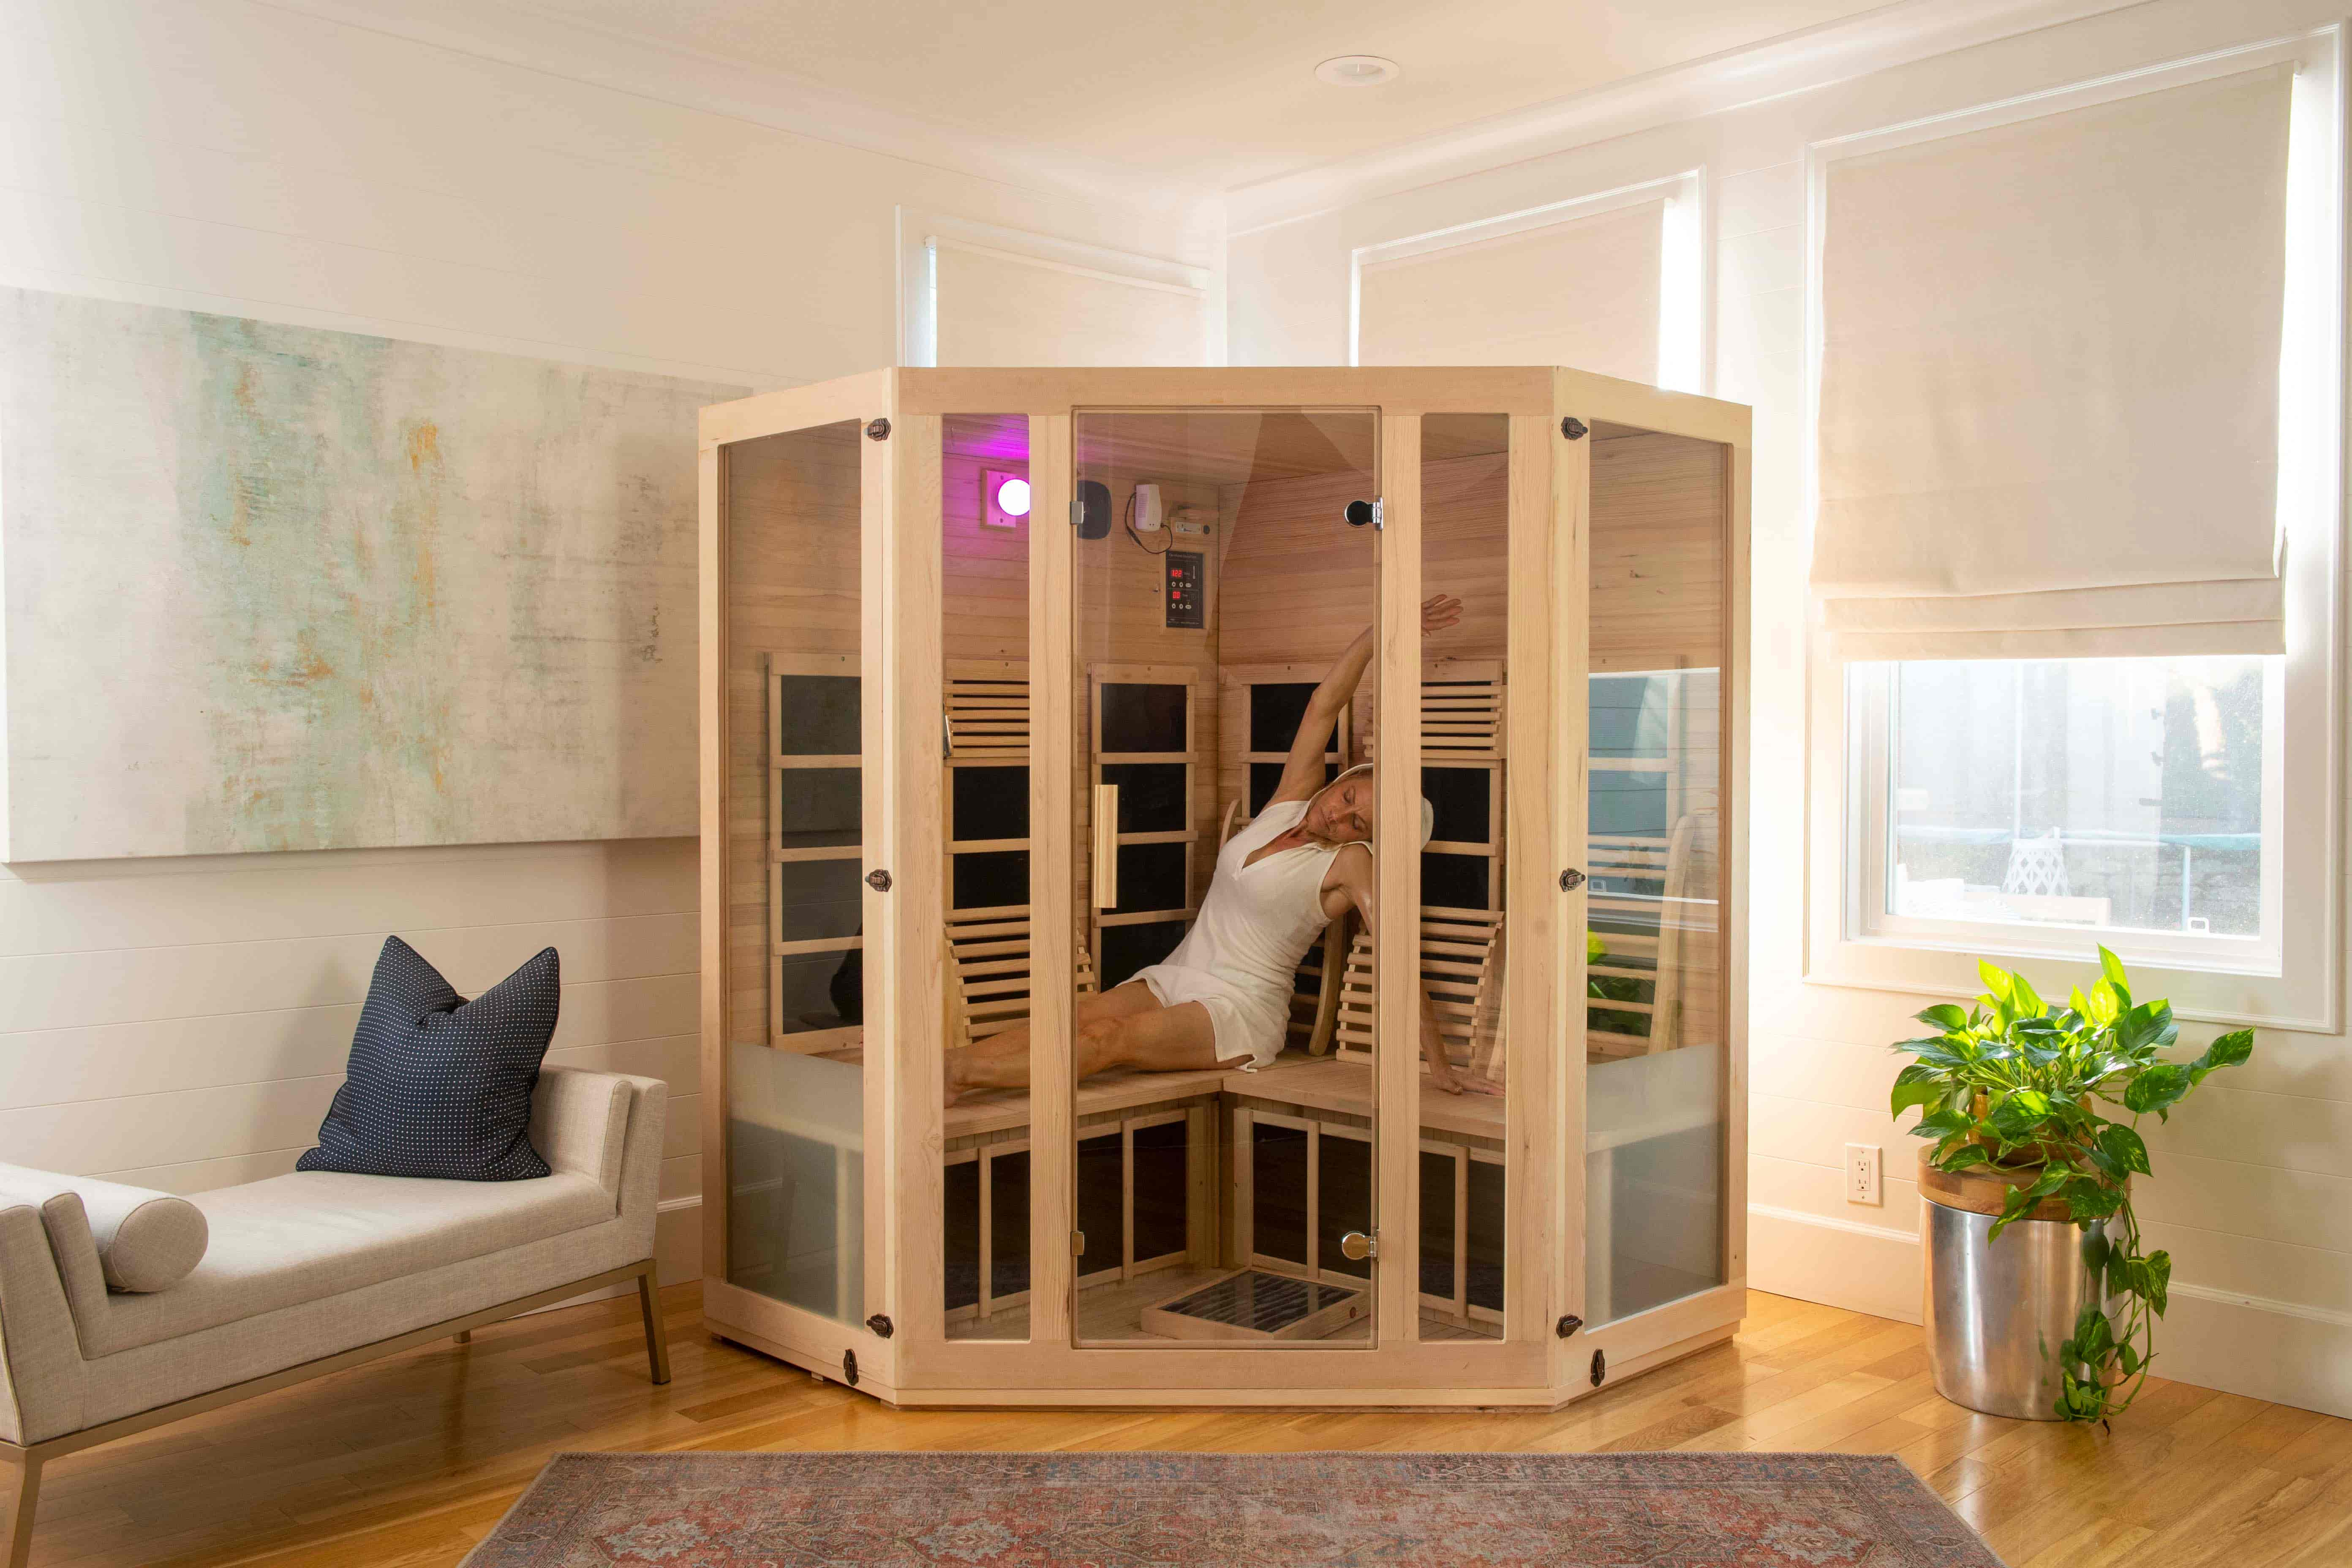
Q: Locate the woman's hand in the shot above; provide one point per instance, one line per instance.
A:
(1438, 611)
(1458, 1083)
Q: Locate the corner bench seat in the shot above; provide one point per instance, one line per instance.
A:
(314, 1233)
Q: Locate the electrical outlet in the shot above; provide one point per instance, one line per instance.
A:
(1862, 1163)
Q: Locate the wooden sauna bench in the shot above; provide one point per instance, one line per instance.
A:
(1310, 1083)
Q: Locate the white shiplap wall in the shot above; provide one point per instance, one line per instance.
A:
(183, 1023)
(2255, 1196)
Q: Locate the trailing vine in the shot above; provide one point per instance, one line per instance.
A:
(2016, 1084)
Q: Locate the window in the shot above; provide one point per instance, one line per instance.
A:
(2031, 747)
(1488, 292)
(976, 294)
(2119, 800)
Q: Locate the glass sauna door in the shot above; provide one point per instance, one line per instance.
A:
(800, 717)
(1656, 1025)
(1224, 600)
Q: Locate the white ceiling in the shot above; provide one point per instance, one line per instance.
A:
(1216, 93)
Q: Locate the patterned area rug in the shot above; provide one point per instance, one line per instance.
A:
(1208, 1510)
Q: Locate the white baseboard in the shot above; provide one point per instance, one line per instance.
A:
(2280, 1350)
(677, 1238)
(2284, 1352)
(1871, 1269)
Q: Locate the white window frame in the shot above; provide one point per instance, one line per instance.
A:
(921, 235)
(2299, 985)
(1685, 323)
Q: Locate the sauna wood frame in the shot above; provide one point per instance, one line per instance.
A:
(902, 1353)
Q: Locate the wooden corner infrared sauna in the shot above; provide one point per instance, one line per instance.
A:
(996, 665)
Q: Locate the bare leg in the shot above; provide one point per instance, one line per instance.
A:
(1124, 1026)
(1164, 1039)
(1002, 1060)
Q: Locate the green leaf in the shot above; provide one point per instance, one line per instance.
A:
(2024, 1000)
(2105, 1006)
(1946, 1015)
(1996, 981)
(2020, 1199)
(2020, 1115)
(1966, 1155)
(2088, 1199)
(2158, 1286)
(1943, 1123)
(2112, 969)
(2128, 1357)
(2125, 1147)
(2227, 1051)
(1918, 1084)
(2157, 1088)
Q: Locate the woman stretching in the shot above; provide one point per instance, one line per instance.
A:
(1223, 998)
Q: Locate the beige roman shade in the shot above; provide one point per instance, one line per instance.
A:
(1582, 293)
(2050, 383)
(996, 308)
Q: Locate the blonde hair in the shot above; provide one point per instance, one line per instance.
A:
(1428, 812)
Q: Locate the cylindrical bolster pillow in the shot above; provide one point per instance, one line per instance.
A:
(146, 1240)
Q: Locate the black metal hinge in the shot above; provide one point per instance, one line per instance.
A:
(878, 430)
(1572, 880)
(849, 1369)
(1575, 429)
(1570, 1324)
(1599, 1367)
(879, 881)
(881, 1325)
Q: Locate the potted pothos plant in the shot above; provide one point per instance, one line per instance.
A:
(2016, 1087)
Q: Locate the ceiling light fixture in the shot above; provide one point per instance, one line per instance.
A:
(1358, 70)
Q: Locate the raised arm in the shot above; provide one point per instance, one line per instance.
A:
(1302, 771)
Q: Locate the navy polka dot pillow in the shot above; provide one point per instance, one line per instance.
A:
(439, 1086)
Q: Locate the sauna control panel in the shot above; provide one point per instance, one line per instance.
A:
(1185, 605)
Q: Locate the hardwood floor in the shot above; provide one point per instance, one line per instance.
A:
(407, 1463)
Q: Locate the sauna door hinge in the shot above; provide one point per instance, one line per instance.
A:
(880, 1325)
(1572, 428)
(1077, 1243)
(1355, 1245)
(1572, 880)
(878, 430)
(849, 1368)
(1570, 1324)
(1359, 513)
(879, 881)
(1599, 1367)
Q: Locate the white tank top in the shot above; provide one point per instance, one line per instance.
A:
(1258, 921)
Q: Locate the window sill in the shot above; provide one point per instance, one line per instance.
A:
(2306, 1002)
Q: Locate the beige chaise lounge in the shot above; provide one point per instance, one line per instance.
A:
(301, 1274)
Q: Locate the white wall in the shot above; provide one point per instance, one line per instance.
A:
(183, 1024)
(2255, 1196)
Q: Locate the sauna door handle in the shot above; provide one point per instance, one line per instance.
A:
(1106, 846)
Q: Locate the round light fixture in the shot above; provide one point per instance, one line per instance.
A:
(1013, 498)
(1357, 71)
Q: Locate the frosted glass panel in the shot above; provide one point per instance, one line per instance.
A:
(796, 1215)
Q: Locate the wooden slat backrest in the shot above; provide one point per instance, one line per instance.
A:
(986, 954)
(1462, 968)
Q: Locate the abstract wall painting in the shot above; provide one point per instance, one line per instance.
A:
(267, 588)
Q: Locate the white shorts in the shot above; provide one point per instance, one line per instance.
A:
(1242, 1022)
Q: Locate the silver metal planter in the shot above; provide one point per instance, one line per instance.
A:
(1996, 1311)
